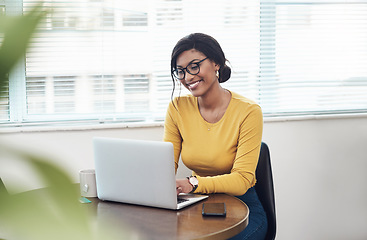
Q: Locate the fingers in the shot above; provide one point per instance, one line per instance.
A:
(178, 190)
(179, 186)
(183, 186)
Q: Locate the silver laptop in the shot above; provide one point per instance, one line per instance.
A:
(138, 172)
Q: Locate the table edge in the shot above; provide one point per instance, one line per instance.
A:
(228, 232)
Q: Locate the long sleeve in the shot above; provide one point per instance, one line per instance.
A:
(242, 174)
(222, 155)
(172, 133)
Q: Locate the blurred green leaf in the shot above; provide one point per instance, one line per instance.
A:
(17, 33)
(55, 213)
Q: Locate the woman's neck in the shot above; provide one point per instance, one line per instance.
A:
(213, 107)
(213, 100)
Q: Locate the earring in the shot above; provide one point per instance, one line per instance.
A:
(217, 74)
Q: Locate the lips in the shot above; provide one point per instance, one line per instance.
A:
(193, 85)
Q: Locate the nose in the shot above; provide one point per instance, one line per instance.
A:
(188, 76)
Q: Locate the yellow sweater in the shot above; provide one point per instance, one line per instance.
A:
(222, 155)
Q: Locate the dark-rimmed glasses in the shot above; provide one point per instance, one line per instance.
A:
(193, 68)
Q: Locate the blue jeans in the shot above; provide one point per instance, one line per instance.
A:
(258, 224)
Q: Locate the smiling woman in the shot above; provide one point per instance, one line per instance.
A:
(216, 132)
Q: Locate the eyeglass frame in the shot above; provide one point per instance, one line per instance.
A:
(184, 70)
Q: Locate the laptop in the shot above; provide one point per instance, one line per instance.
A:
(138, 172)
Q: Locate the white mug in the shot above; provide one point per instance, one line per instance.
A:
(88, 187)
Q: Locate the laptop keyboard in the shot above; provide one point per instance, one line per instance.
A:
(180, 200)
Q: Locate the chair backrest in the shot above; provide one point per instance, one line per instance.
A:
(265, 189)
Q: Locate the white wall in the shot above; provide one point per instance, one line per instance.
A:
(320, 175)
(319, 167)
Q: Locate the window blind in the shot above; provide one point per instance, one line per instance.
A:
(313, 57)
(4, 95)
(110, 59)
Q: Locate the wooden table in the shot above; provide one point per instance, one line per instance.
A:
(142, 222)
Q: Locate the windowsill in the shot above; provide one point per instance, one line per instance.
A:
(77, 126)
(95, 125)
(315, 117)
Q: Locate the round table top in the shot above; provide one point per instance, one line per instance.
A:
(140, 222)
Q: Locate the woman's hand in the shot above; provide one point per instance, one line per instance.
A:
(183, 186)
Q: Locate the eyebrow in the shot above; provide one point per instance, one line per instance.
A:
(188, 63)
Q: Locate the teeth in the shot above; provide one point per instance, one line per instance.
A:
(192, 85)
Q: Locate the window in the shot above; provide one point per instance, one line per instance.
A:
(313, 56)
(136, 84)
(135, 19)
(4, 106)
(110, 59)
(4, 100)
(104, 85)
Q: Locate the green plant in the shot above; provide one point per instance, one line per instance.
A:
(56, 214)
(17, 33)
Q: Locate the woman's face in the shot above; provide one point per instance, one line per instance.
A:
(201, 83)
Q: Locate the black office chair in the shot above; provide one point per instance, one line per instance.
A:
(265, 189)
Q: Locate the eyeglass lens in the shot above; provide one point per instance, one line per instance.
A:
(192, 68)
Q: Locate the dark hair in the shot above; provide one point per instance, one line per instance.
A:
(206, 45)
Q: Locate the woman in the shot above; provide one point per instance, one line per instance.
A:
(217, 132)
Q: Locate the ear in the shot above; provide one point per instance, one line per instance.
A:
(217, 67)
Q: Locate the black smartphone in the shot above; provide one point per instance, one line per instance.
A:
(214, 209)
